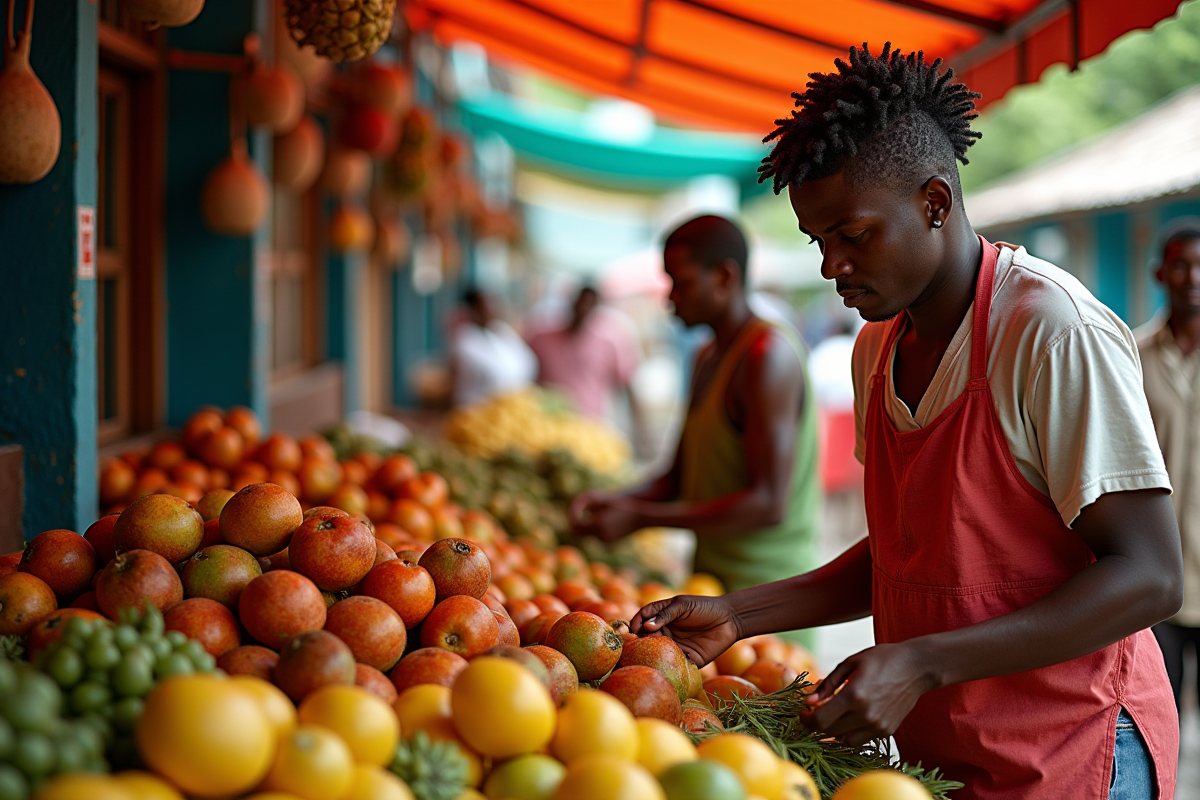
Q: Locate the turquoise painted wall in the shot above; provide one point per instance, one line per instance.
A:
(218, 303)
(344, 276)
(1112, 261)
(48, 330)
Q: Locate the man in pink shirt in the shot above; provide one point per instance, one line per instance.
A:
(589, 359)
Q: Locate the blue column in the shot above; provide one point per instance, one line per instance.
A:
(345, 273)
(48, 332)
(218, 320)
(1112, 262)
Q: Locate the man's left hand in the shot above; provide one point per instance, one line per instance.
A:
(870, 693)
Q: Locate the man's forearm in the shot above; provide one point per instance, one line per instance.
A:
(840, 591)
(728, 515)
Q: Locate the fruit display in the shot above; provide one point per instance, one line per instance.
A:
(534, 421)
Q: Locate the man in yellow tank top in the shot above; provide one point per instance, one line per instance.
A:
(744, 477)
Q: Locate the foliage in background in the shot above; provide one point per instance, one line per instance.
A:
(1065, 108)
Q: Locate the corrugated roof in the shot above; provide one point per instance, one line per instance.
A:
(1153, 155)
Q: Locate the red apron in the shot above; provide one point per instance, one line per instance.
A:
(959, 536)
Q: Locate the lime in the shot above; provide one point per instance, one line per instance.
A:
(33, 754)
(531, 777)
(102, 655)
(126, 637)
(89, 696)
(13, 785)
(65, 666)
(133, 676)
(701, 780)
(176, 638)
(174, 664)
(126, 712)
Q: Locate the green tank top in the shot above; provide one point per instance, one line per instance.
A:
(713, 465)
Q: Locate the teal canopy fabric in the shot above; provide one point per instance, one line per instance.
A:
(561, 141)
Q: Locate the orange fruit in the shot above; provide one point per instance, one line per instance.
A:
(797, 783)
(364, 722)
(662, 745)
(275, 705)
(312, 763)
(737, 659)
(751, 759)
(425, 707)
(704, 584)
(592, 722)
(882, 784)
(145, 786)
(205, 735)
(501, 709)
(376, 783)
(77, 785)
(604, 776)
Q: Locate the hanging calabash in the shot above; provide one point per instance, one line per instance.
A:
(346, 172)
(298, 155)
(168, 13)
(235, 198)
(385, 87)
(350, 230)
(393, 241)
(274, 98)
(30, 129)
(365, 127)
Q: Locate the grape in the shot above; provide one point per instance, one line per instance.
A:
(65, 666)
(13, 785)
(102, 654)
(161, 648)
(133, 676)
(89, 696)
(33, 754)
(176, 638)
(7, 738)
(192, 649)
(205, 662)
(174, 664)
(71, 755)
(78, 628)
(151, 622)
(89, 736)
(144, 651)
(126, 637)
(126, 713)
(8, 677)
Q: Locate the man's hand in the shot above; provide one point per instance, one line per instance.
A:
(870, 693)
(703, 627)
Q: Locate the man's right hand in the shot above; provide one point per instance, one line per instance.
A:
(703, 627)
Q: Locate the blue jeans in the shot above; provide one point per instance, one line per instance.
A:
(1132, 773)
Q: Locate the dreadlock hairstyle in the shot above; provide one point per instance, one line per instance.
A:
(842, 115)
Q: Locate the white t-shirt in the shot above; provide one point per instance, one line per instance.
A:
(1065, 377)
(491, 360)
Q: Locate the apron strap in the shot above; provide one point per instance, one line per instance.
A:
(983, 309)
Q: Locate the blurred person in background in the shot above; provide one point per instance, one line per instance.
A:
(1170, 351)
(487, 356)
(591, 359)
(744, 477)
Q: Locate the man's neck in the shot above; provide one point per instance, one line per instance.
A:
(726, 329)
(1185, 327)
(938, 313)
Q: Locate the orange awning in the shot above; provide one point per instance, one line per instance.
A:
(734, 63)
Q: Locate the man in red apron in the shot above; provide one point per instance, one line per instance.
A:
(1022, 539)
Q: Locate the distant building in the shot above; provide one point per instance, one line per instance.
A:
(1094, 209)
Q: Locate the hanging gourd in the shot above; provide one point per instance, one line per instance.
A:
(235, 198)
(346, 172)
(351, 229)
(30, 130)
(298, 155)
(274, 98)
(168, 13)
(340, 30)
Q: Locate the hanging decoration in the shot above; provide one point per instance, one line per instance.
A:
(30, 129)
(168, 13)
(298, 156)
(340, 30)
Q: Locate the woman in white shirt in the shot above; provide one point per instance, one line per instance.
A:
(487, 356)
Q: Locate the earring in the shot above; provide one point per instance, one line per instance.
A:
(937, 223)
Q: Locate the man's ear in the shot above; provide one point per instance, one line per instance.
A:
(938, 196)
(1158, 273)
(730, 274)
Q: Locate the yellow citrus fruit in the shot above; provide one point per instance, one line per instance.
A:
(797, 783)
(78, 785)
(272, 796)
(882, 784)
(662, 745)
(607, 777)
(376, 783)
(425, 707)
(470, 794)
(474, 760)
(592, 722)
(752, 760)
(278, 707)
(205, 735)
(312, 763)
(704, 584)
(364, 722)
(531, 777)
(144, 786)
(500, 708)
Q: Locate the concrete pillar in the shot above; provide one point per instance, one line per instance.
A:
(48, 328)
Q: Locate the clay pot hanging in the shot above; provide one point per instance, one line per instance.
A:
(298, 155)
(168, 13)
(346, 172)
(30, 129)
(274, 98)
(235, 198)
(351, 230)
